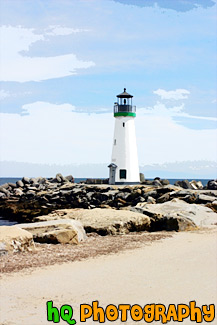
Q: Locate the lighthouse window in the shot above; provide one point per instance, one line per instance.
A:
(115, 142)
(123, 125)
(123, 173)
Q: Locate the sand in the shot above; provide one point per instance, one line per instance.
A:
(176, 270)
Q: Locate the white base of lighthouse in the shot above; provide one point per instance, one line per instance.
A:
(125, 168)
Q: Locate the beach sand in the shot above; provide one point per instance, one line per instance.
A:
(176, 269)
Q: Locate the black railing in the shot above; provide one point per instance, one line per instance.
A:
(124, 108)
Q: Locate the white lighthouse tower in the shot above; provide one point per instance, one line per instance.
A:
(124, 168)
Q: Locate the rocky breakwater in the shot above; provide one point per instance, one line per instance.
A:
(34, 196)
(30, 198)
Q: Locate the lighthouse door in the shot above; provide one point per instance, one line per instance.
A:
(112, 171)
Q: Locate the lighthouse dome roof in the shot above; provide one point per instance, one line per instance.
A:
(124, 94)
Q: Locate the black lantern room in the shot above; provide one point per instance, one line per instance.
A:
(124, 106)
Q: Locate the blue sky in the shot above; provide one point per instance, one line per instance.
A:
(63, 63)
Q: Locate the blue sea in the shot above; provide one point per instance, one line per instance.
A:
(4, 180)
(172, 181)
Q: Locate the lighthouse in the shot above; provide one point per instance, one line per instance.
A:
(124, 167)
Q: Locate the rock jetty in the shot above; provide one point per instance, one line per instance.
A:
(58, 211)
(33, 197)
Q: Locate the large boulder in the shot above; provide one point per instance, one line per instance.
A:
(104, 221)
(194, 196)
(199, 215)
(184, 184)
(161, 221)
(56, 231)
(19, 183)
(164, 181)
(15, 239)
(212, 205)
(196, 185)
(212, 184)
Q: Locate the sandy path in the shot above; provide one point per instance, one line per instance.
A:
(174, 270)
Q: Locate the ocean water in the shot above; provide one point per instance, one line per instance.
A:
(172, 181)
(3, 180)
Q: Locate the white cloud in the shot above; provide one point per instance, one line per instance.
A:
(49, 133)
(162, 110)
(16, 66)
(55, 133)
(4, 94)
(61, 31)
(172, 94)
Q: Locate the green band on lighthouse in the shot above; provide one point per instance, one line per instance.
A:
(125, 114)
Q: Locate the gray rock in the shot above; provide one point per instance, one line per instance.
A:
(104, 221)
(66, 187)
(41, 187)
(163, 198)
(156, 182)
(150, 193)
(112, 193)
(100, 197)
(164, 182)
(2, 195)
(30, 193)
(151, 200)
(147, 182)
(213, 206)
(41, 180)
(19, 184)
(70, 178)
(6, 186)
(124, 195)
(196, 185)
(32, 188)
(77, 190)
(161, 222)
(212, 184)
(4, 190)
(90, 195)
(184, 184)
(14, 239)
(12, 185)
(200, 215)
(26, 180)
(60, 176)
(178, 223)
(180, 194)
(50, 186)
(56, 231)
(18, 192)
(191, 198)
(33, 181)
(199, 185)
(206, 198)
(58, 179)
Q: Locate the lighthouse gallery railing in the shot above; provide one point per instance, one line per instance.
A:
(124, 108)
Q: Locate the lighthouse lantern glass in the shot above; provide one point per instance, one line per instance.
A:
(124, 104)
